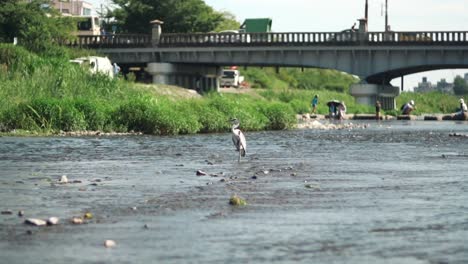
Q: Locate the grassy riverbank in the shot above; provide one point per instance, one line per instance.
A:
(47, 94)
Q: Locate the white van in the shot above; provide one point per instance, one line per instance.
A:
(96, 64)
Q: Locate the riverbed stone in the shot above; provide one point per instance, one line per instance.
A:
(63, 179)
(52, 220)
(35, 222)
(76, 220)
(109, 243)
(200, 173)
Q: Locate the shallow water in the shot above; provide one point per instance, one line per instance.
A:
(393, 193)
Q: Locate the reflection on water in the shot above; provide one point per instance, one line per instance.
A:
(392, 193)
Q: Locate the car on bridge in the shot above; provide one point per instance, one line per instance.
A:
(228, 36)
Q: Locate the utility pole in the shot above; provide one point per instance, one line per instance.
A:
(386, 16)
(366, 12)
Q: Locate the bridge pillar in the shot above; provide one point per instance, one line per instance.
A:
(369, 93)
(201, 78)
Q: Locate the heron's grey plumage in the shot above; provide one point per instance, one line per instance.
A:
(238, 138)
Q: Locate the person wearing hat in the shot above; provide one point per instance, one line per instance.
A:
(463, 109)
(408, 108)
(314, 103)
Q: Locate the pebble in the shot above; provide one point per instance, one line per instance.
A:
(88, 215)
(6, 212)
(52, 221)
(35, 222)
(77, 221)
(109, 243)
(63, 179)
(254, 177)
(201, 173)
(20, 213)
(458, 135)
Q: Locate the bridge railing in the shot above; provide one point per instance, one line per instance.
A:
(415, 38)
(314, 38)
(257, 39)
(113, 41)
(348, 38)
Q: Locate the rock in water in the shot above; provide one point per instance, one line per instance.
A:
(76, 220)
(237, 201)
(63, 179)
(109, 243)
(88, 215)
(35, 222)
(201, 173)
(52, 221)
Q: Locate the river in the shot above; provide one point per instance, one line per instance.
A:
(396, 192)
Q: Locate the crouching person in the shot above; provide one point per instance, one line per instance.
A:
(408, 108)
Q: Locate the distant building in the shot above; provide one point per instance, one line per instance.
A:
(74, 8)
(424, 86)
(444, 86)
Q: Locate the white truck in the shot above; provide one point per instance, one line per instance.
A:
(231, 78)
(96, 64)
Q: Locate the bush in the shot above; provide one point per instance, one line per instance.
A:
(280, 116)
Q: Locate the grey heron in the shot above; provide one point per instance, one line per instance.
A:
(238, 138)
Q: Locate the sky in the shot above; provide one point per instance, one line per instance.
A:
(337, 15)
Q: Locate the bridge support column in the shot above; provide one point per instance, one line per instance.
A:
(369, 93)
(201, 78)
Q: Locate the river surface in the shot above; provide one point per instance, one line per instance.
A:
(396, 192)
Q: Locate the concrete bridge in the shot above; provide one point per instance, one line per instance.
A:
(195, 61)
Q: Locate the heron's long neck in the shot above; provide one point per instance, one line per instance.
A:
(235, 127)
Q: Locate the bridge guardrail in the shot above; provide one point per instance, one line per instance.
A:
(347, 38)
(113, 41)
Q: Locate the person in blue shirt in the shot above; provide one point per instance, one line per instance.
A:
(314, 104)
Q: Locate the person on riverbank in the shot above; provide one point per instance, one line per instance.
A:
(408, 108)
(116, 69)
(331, 111)
(314, 104)
(378, 107)
(342, 110)
(463, 109)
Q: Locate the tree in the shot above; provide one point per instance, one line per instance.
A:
(460, 87)
(228, 22)
(36, 27)
(179, 16)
